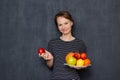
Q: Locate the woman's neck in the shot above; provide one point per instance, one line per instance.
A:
(67, 37)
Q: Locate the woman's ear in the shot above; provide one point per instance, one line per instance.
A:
(71, 23)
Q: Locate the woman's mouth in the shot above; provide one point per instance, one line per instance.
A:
(63, 30)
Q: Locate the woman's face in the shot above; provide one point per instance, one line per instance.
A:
(64, 25)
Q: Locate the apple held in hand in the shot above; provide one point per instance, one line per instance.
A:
(41, 51)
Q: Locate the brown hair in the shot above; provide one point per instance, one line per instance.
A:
(64, 14)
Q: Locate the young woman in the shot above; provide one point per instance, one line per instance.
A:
(59, 47)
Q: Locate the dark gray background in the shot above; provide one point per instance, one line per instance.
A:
(26, 25)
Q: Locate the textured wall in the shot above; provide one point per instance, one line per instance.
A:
(26, 25)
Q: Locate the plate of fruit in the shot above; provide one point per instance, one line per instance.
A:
(77, 60)
(77, 67)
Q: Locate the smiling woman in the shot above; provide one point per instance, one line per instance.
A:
(59, 47)
(26, 25)
(64, 25)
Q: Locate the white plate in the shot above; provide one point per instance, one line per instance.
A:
(77, 67)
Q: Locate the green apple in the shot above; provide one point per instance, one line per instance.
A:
(71, 61)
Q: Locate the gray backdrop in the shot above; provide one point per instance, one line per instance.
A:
(26, 25)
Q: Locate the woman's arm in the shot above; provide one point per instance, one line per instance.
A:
(48, 57)
(50, 63)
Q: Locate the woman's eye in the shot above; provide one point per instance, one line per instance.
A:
(66, 23)
(59, 24)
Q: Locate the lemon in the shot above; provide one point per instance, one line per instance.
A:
(80, 62)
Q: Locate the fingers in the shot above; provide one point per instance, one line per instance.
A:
(47, 52)
(46, 56)
(78, 68)
(42, 55)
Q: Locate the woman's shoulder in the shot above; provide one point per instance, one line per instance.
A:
(54, 40)
(78, 39)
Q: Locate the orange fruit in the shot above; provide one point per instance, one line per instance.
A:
(87, 62)
(70, 54)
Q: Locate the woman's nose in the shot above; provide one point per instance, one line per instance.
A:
(63, 26)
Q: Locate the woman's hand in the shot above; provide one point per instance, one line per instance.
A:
(79, 68)
(48, 57)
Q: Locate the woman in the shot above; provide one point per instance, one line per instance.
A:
(59, 47)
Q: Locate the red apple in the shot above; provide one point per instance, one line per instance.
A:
(83, 55)
(41, 51)
(76, 55)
